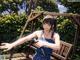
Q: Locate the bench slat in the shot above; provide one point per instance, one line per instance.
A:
(64, 51)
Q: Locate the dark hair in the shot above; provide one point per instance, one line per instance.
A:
(50, 21)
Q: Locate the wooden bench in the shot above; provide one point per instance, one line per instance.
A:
(63, 53)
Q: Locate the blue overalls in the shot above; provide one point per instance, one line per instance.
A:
(43, 53)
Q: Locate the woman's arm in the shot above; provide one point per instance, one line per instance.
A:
(56, 45)
(9, 46)
(24, 39)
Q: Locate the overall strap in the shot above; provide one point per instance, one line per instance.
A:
(52, 34)
(42, 39)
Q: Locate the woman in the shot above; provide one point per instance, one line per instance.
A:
(48, 40)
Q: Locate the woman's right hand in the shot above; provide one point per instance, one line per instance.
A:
(6, 46)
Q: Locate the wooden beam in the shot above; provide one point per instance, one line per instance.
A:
(57, 14)
(32, 18)
(75, 17)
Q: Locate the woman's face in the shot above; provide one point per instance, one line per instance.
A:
(46, 26)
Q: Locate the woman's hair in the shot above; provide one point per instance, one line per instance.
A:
(51, 21)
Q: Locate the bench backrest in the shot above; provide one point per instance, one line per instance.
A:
(64, 51)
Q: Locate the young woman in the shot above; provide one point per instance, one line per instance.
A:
(48, 40)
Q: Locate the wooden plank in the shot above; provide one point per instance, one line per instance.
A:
(63, 52)
(58, 56)
(60, 48)
(15, 55)
(18, 58)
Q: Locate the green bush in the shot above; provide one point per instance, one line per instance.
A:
(11, 26)
(66, 29)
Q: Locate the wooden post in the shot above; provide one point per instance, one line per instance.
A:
(75, 40)
(30, 6)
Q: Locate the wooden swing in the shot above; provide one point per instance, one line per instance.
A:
(65, 47)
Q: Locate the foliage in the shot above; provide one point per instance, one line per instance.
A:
(73, 7)
(11, 26)
(47, 5)
(66, 29)
(10, 4)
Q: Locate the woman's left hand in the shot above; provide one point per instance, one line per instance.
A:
(6, 46)
(40, 43)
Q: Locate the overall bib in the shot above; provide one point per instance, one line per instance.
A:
(43, 53)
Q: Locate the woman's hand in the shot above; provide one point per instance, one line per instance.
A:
(40, 43)
(6, 46)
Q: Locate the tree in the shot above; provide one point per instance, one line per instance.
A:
(47, 5)
(73, 6)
